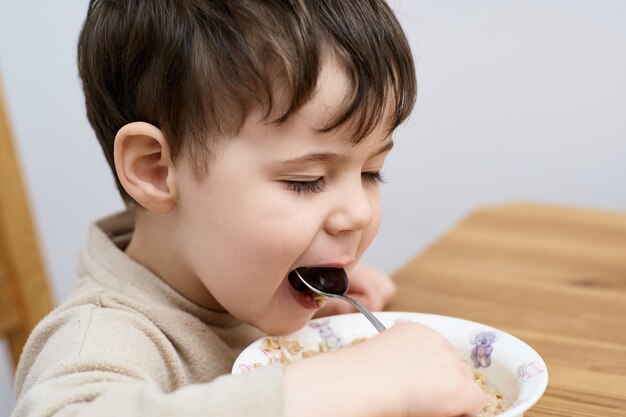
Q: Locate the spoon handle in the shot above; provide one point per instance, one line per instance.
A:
(370, 316)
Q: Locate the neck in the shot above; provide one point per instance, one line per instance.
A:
(154, 245)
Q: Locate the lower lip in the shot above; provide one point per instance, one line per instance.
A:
(304, 300)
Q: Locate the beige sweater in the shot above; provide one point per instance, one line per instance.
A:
(126, 344)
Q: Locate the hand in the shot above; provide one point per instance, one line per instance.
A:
(407, 370)
(368, 285)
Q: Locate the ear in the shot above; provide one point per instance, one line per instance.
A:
(144, 166)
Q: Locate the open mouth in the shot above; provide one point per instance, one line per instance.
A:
(304, 291)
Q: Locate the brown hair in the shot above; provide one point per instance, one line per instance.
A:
(197, 68)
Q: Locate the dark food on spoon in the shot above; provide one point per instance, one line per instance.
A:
(332, 282)
(328, 280)
(301, 287)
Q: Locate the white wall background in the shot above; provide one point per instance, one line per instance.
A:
(518, 100)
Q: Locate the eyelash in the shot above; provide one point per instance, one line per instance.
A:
(317, 185)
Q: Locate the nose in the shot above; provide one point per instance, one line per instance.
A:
(353, 210)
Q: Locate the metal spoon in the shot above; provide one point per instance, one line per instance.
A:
(333, 282)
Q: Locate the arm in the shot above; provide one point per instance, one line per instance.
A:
(90, 361)
(92, 364)
(79, 393)
(408, 370)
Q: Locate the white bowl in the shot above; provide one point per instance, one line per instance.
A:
(512, 367)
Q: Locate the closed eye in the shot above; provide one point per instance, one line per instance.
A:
(314, 186)
(372, 177)
(317, 185)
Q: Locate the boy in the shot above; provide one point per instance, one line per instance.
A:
(247, 138)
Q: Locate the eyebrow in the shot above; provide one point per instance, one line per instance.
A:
(333, 157)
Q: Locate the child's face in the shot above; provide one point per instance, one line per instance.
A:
(245, 226)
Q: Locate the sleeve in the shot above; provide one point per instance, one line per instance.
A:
(77, 367)
(92, 395)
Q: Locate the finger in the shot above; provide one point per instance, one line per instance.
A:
(346, 308)
(372, 302)
(369, 293)
(388, 289)
(472, 403)
(476, 399)
(378, 284)
(384, 286)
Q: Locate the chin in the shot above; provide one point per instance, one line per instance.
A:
(283, 328)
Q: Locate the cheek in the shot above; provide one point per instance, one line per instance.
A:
(250, 232)
(369, 233)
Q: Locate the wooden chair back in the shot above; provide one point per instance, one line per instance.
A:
(25, 296)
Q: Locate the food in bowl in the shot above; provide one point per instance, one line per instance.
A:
(513, 374)
(284, 351)
(494, 400)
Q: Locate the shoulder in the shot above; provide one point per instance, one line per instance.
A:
(89, 332)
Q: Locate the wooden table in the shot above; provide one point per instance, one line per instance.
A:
(554, 277)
